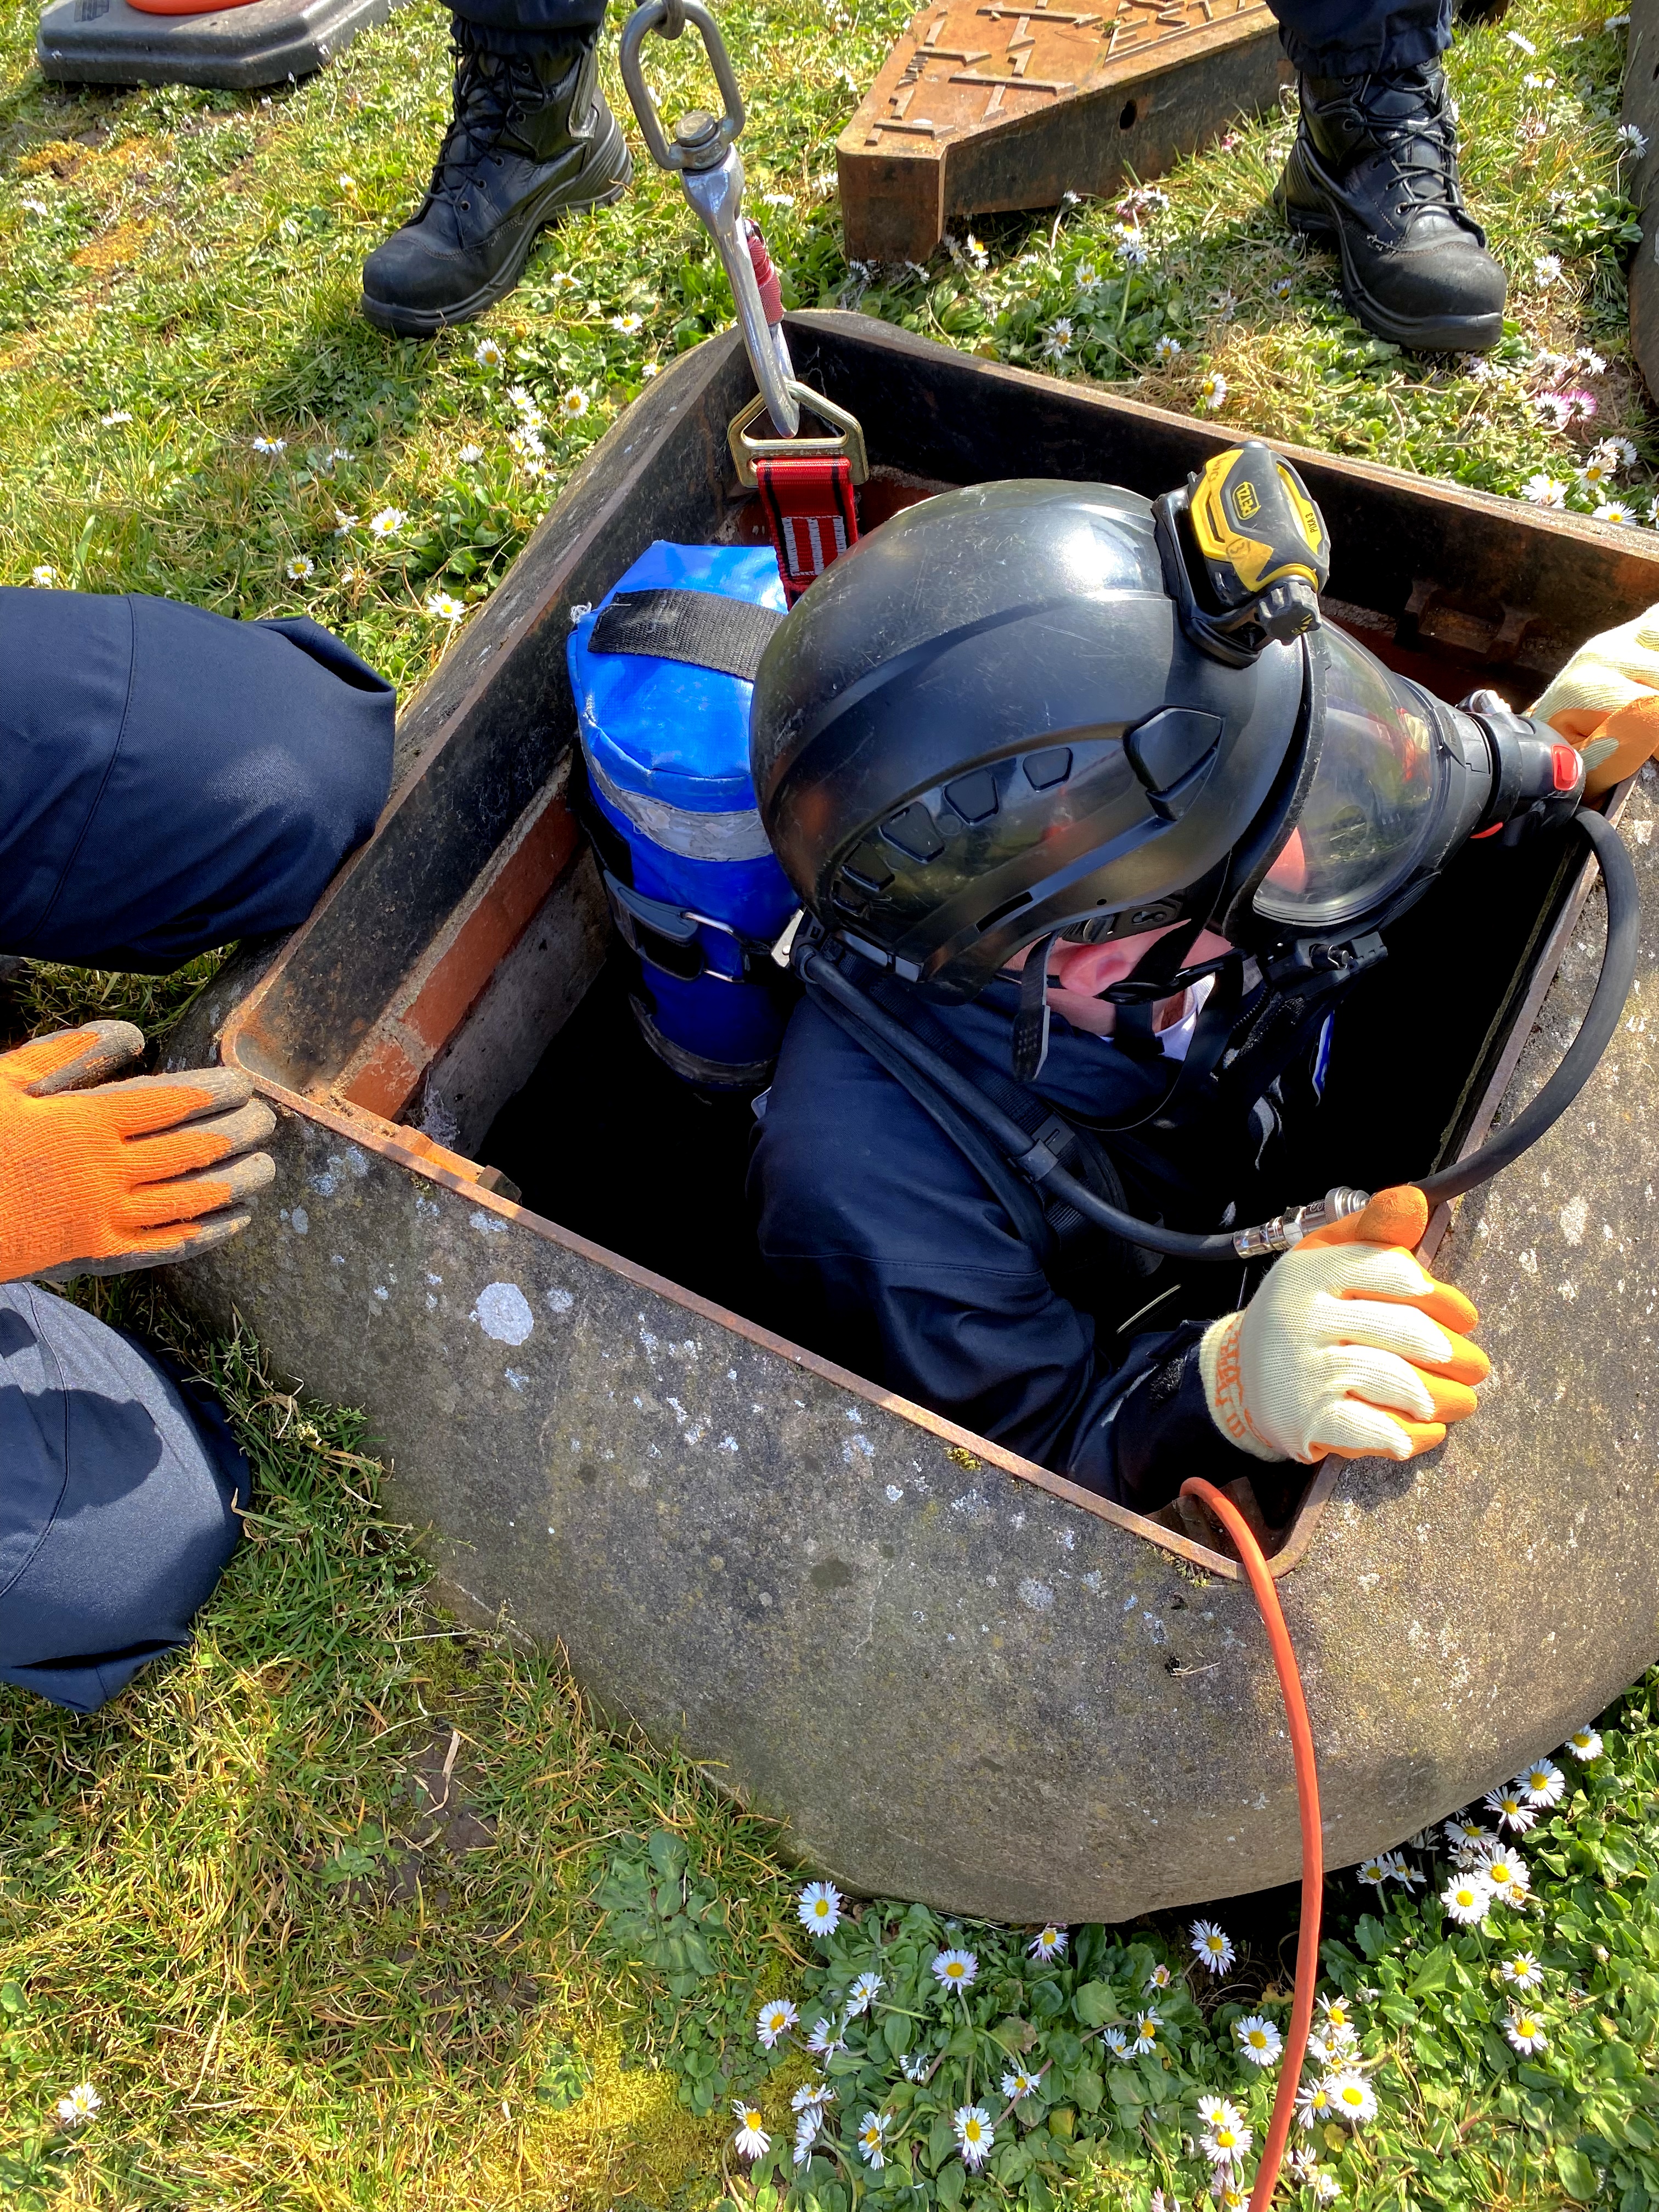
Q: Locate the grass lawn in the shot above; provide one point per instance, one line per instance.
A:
(348, 1907)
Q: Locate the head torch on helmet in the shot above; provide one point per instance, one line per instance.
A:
(1033, 708)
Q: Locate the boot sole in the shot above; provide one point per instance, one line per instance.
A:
(1421, 334)
(426, 322)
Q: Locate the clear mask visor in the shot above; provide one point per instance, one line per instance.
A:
(1375, 799)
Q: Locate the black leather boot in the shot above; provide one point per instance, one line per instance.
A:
(531, 139)
(1374, 172)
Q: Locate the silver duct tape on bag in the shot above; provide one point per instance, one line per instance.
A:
(693, 836)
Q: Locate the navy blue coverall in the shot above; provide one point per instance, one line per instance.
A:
(1320, 38)
(169, 780)
(903, 1264)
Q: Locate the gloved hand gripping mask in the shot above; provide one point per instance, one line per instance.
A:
(1609, 689)
(1347, 1347)
(99, 1177)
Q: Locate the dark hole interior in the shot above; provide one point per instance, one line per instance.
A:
(1126, 120)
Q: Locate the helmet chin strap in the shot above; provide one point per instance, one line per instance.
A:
(1157, 975)
(1029, 1046)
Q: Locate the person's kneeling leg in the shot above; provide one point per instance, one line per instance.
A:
(117, 1511)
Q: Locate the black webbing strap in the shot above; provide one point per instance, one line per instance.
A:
(1030, 1044)
(699, 628)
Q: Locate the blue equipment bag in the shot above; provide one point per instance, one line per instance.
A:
(663, 672)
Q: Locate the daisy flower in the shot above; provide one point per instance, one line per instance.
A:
(1511, 1804)
(1315, 2103)
(974, 2133)
(562, 280)
(1459, 1833)
(525, 439)
(1632, 139)
(1373, 1872)
(1580, 405)
(1536, 82)
(1048, 1943)
(1281, 285)
(818, 1907)
(120, 415)
(1329, 2047)
(1147, 2024)
(872, 2129)
(36, 207)
(1525, 2030)
(913, 2065)
(387, 522)
(1617, 452)
(339, 453)
(1325, 2185)
(1213, 2110)
(1211, 1946)
(1522, 1972)
(1594, 472)
(1167, 350)
(777, 200)
(1506, 1871)
(352, 575)
(344, 523)
(1017, 2084)
(1212, 392)
(1591, 362)
(46, 576)
(1258, 2039)
(522, 398)
(1543, 1782)
(823, 2039)
(270, 446)
(1467, 1898)
(469, 454)
(1225, 2189)
(1586, 1744)
(1227, 2142)
(573, 405)
(811, 2097)
(775, 2019)
(1398, 1869)
(444, 606)
(488, 353)
(1546, 268)
(955, 1970)
(807, 2130)
(1542, 491)
(751, 2140)
(629, 325)
(299, 568)
(1116, 2042)
(1059, 335)
(1338, 2012)
(652, 369)
(863, 1994)
(1554, 408)
(1131, 252)
(1353, 2098)
(82, 2103)
(1159, 1978)
(1085, 276)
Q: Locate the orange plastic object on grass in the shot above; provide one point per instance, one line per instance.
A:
(1313, 1850)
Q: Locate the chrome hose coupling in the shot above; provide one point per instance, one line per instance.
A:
(1287, 1230)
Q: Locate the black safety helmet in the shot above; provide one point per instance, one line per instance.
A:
(1022, 708)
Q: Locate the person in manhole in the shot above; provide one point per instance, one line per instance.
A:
(169, 781)
(1373, 171)
(1075, 848)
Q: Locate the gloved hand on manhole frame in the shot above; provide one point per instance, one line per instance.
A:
(1348, 1346)
(100, 1176)
(1609, 690)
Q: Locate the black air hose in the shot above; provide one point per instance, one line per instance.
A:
(1578, 1062)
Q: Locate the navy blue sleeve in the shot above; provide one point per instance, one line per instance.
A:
(903, 1266)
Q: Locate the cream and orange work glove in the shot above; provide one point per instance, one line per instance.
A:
(97, 1177)
(1609, 690)
(1347, 1348)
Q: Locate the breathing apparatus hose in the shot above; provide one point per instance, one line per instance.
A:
(1601, 1017)
(1307, 1797)
(1036, 1161)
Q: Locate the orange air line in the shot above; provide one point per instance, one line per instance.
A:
(1307, 1798)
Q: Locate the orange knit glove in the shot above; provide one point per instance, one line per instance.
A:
(1347, 1348)
(1608, 696)
(100, 1177)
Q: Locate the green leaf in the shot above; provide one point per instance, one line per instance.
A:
(1096, 2005)
(1578, 2174)
(1437, 1971)
(1371, 1936)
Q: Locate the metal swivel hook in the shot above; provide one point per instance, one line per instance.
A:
(704, 156)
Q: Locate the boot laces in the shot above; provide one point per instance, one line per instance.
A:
(490, 93)
(1421, 154)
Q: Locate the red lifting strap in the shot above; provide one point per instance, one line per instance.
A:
(809, 509)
